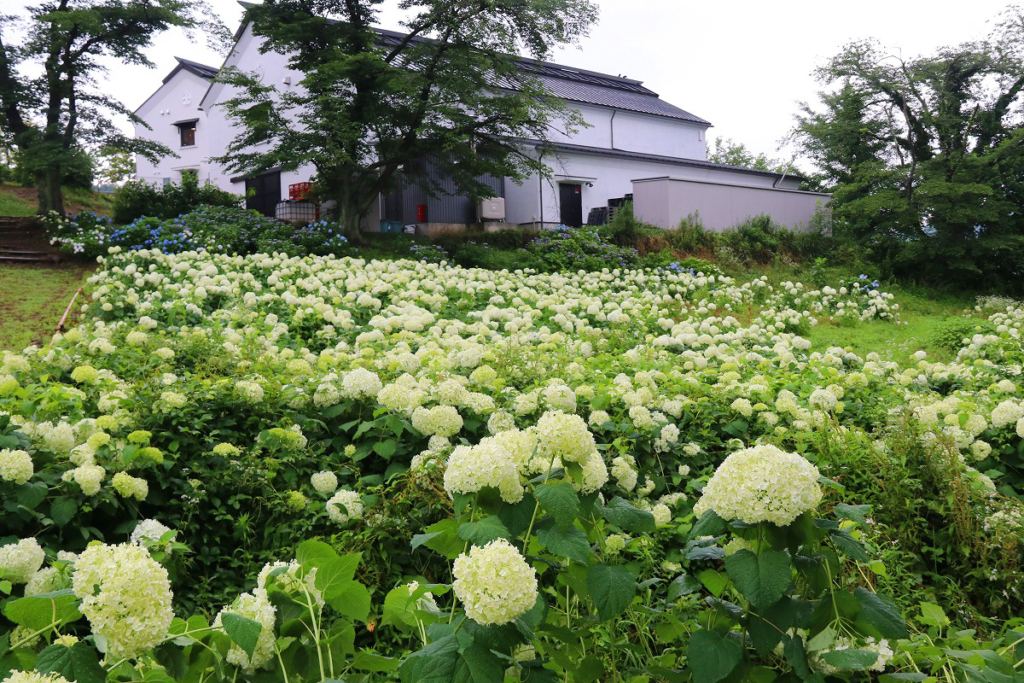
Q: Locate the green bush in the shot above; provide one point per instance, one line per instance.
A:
(584, 248)
(954, 330)
(138, 198)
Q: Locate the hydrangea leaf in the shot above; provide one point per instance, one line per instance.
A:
(78, 663)
(568, 542)
(484, 531)
(559, 500)
(62, 510)
(711, 656)
(39, 611)
(441, 537)
(684, 584)
(350, 599)
(880, 615)
(244, 632)
(849, 545)
(336, 573)
(628, 518)
(611, 587)
(368, 661)
(850, 660)
(761, 578)
(516, 518)
(709, 524)
(856, 513)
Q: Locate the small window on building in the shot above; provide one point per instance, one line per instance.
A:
(187, 131)
(190, 174)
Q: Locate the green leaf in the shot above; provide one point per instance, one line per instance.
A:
(881, 615)
(713, 581)
(79, 663)
(516, 518)
(709, 524)
(628, 518)
(314, 554)
(350, 599)
(568, 542)
(62, 510)
(823, 639)
(31, 495)
(369, 661)
(856, 513)
(385, 449)
(559, 500)
(762, 578)
(483, 532)
(40, 611)
(850, 660)
(336, 573)
(441, 537)
(684, 584)
(243, 631)
(933, 615)
(849, 545)
(452, 659)
(589, 670)
(712, 657)
(611, 587)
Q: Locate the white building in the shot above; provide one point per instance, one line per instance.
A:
(634, 139)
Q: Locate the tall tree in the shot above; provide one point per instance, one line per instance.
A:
(51, 100)
(727, 151)
(923, 154)
(374, 109)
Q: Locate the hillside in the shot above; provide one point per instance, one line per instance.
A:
(16, 200)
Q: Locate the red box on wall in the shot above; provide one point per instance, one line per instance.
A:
(297, 191)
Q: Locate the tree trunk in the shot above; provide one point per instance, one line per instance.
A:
(349, 216)
(51, 196)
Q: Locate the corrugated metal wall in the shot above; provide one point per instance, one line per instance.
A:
(449, 206)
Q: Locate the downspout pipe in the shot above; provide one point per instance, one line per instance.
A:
(612, 126)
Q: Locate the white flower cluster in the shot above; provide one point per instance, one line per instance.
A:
(494, 583)
(761, 484)
(126, 596)
(19, 561)
(488, 464)
(16, 466)
(344, 505)
(325, 483)
(255, 606)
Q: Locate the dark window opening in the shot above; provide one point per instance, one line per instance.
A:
(188, 133)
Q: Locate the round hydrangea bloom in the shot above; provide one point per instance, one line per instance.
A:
(287, 577)
(33, 677)
(126, 596)
(296, 501)
(662, 514)
(565, 437)
(129, 486)
(257, 607)
(625, 475)
(324, 482)
(361, 383)
(440, 420)
(16, 466)
(823, 399)
(500, 421)
(43, 581)
(19, 561)
(250, 391)
(344, 505)
(761, 484)
(148, 532)
(595, 474)
(85, 374)
(226, 449)
(1007, 412)
(615, 543)
(494, 583)
(471, 468)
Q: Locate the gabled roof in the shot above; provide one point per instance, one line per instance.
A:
(574, 85)
(201, 70)
(207, 73)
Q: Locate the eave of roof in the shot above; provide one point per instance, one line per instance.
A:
(207, 73)
(572, 84)
(679, 161)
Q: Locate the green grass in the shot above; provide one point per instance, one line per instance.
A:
(33, 298)
(12, 204)
(16, 200)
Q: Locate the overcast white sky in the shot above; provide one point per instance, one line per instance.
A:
(743, 65)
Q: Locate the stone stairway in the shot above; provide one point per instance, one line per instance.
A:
(23, 240)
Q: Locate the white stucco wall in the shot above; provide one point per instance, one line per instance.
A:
(667, 200)
(632, 132)
(605, 177)
(176, 100)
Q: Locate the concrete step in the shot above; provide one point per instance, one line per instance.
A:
(29, 259)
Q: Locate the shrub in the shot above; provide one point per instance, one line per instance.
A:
(138, 198)
(571, 249)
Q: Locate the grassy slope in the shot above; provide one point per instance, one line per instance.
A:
(33, 298)
(21, 201)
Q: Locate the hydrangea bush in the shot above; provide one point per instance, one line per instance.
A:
(613, 475)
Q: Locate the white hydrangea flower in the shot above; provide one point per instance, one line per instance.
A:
(19, 561)
(494, 583)
(344, 506)
(147, 532)
(258, 608)
(16, 466)
(324, 482)
(761, 484)
(126, 596)
(565, 437)
(488, 464)
(440, 420)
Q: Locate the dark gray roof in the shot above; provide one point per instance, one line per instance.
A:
(679, 161)
(578, 85)
(201, 70)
